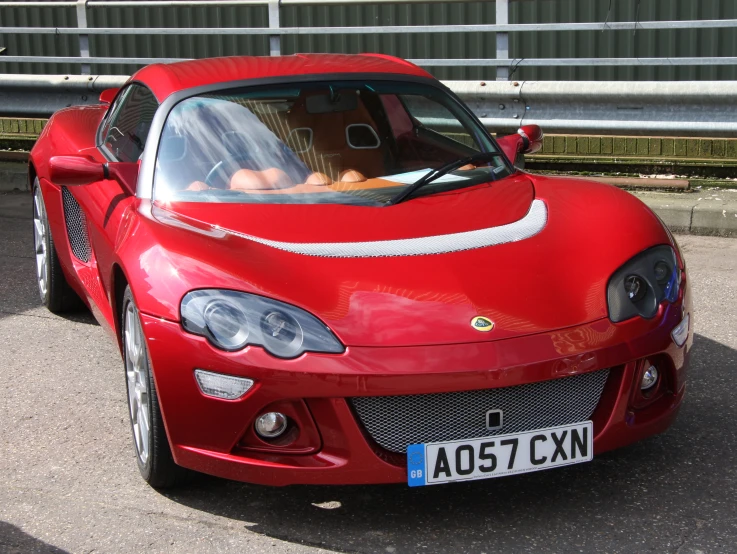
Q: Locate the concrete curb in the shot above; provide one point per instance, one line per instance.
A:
(13, 176)
(712, 213)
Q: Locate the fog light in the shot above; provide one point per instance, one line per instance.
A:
(649, 378)
(222, 386)
(680, 331)
(271, 424)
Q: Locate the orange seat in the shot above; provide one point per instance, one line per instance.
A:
(330, 153)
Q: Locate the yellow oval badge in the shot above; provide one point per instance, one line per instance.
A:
(483, 324)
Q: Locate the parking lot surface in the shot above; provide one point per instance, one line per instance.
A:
(69, 483)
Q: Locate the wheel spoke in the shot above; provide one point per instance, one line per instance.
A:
(143, 418)
(129, 338)
(139, 349)
(37, 203)
(39, 234)
(137, 435)
(39, 228)
(130, 376)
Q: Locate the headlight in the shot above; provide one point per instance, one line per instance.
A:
(232, 320)
(640, 285)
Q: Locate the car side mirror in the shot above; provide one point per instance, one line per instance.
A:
(74, 171)
(527, 140)
(534, 136)
(108, 95)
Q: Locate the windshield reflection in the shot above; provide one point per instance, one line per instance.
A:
(338, 142)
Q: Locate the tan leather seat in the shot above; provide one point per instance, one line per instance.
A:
(330, 153)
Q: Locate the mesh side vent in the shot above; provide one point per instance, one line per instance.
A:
(76, 224)
(395, 422)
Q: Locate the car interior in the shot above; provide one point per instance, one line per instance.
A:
(321, 140)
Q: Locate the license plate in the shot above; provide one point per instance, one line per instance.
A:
(466, 460)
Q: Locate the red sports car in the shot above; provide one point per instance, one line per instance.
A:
(323, 269)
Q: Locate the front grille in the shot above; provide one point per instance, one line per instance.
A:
(395, 422)
(76, 226)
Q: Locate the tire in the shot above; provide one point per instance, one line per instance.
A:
(153, 454)
(55, 292)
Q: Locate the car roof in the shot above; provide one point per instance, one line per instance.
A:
(165, 79)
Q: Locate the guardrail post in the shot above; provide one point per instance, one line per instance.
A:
(84, 40)
(274, 40)
(502, 39)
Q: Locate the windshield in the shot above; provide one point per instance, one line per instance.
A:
(336, 142)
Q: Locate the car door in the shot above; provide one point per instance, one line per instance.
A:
(102, 205)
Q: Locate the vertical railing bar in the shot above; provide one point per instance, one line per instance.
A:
(84, 40)
(502, 39)
(274, 23)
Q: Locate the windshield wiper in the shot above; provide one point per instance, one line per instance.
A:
(431, 176)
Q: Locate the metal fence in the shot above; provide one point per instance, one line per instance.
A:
(116, 36)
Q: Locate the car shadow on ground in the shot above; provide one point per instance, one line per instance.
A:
(640, 497)
(15, 541)
(18, 287)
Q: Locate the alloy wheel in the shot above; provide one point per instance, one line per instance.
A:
(136, 370)
(40, 230)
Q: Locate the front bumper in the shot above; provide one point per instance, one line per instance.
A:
(215, 436)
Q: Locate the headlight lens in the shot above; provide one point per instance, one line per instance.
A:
(640, 285)
(232, 320)
(227, 324)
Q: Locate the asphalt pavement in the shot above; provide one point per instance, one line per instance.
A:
(69, 483)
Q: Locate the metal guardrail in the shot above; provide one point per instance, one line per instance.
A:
(623, 108)
(41, 95)
(686, 108)
(275, 31)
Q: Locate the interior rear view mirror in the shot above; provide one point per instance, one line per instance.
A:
(325, 103)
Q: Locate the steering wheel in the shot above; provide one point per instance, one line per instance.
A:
(224, 169)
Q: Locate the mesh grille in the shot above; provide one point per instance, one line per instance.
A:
(76, 226)
(395, 422)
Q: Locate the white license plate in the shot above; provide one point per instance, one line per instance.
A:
(466, 460)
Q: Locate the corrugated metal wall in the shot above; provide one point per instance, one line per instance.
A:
(625, 44)
(665, 43)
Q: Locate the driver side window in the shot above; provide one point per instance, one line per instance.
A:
(126, 133)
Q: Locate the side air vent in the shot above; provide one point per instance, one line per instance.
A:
(76, 227)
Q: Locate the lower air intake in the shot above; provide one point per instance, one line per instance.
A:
(395, 422)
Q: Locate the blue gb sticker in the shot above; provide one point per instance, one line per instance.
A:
(416, 465)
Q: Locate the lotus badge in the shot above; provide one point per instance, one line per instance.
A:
(483, 324)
